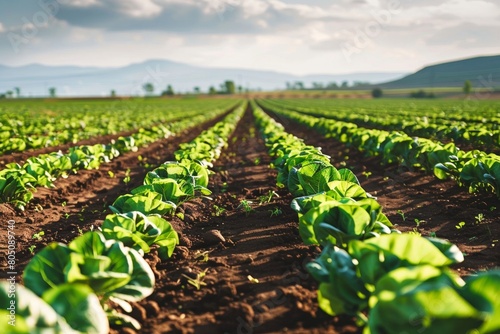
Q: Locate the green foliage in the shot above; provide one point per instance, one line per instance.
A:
(139, 232)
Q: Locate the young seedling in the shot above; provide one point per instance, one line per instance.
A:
(38, 236)
(418, 222)
(256, 161)
(32, 249)
(460, 225)
(367, 174)
(111, 174)
(479, 218)
(268, 198)
(245, 205)
(198, 281)
(276, 212)
(126, 179)
(402, 214)
(218, 211)
(202, 256)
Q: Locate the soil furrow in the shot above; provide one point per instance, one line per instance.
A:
(253, 264)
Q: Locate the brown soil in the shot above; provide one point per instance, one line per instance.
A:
(253, 263)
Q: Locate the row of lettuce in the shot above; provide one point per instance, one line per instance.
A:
(81, 287)
(391, 282)
(17, 182)
(36, 124)
(443, 120)
(476, 170)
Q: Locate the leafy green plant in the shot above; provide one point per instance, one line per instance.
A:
(402, 214)
(111, 270)
(139, 232)
(31, 249)
(54, 312)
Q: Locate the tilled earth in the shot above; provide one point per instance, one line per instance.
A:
(248, 261)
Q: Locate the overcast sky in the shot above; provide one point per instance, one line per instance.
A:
(294, 36)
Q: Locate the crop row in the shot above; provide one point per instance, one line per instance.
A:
(23, 125)
(392, 282)
(105, 268)
(475, 170)
(17, 181)
(482, 134)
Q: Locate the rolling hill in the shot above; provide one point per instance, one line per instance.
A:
(481, 71)
(36, 79)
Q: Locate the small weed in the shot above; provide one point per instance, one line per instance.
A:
(218, 210)
(267, 198)
(63, 203)
(198, 281)
(32, 249)
(245, 205)
(402, 214)
(67, 215)
(479, 218)
(276, 212)
(126, 179)
(202, 256)
(38, 236)
(493, 208)
(418, 222)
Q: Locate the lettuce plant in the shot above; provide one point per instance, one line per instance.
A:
(110, 269)
(139, 232)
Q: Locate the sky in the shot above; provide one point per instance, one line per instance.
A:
(292, 36)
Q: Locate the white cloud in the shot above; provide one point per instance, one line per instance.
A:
(2, 29)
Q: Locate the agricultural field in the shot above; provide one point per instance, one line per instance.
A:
(258, 216)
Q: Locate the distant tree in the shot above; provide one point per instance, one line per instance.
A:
(289, 86)
(332, 85)
(149, 88)
(197, 90)
(360, 83)
(230, 87)
(317, 85)
(113, 93)
(168, 92)
(52, 92)
(421, 94)
(9, 94)
(377, 92)
(240, 89)
(344, 84)
(2, 96)
(298, 85)
(212, 90)
(467, 87)
(18, 92)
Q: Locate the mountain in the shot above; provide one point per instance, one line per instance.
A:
(481, 71)
(36, 79)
